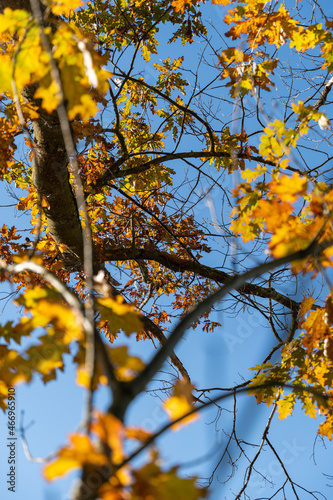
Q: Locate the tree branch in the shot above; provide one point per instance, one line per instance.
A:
(235, 283)
(115, 172)
(177, 264)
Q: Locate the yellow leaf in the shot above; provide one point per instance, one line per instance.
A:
(181, 403)
(153, 483)
(49, 95)
(86, 108)
(63, 7)
(120, 316)
(110, 431)
(146, 53)
(126, 366)
(286, 406)
(46, 308)
(306, 305)
(289, 238)
(309, 406)
(82, 377)
(326, 428)
(289, 188)
(316, 329)
(79, 452)
(250, 175)
(6, 71)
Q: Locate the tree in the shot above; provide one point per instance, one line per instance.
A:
(111, 146)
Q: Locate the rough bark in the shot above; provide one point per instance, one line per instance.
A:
(51, 179)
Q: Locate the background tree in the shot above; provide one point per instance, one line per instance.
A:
(120, 147)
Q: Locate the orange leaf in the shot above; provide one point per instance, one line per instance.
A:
(79, 452)
(111, 431)
(223, 2)
(179, 5)
(306, 305)
(289, 188)
(138, 434)
(274, 213)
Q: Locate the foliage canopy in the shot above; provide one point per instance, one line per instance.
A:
(111, 145)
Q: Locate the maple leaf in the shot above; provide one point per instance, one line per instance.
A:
(289, 188)
(179, 5)
(306, 305)
(80, 451)
(315, 327)
(138, 433)
(250, 175)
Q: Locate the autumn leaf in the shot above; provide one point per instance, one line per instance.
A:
(49, 95)
(274, 213)
(222, 2)
(179, 5)
(126, 366)
(152, 482)
(111, 431)
(138, 434)
(286, 405)
(180, 403)
(63, 7)
(80, 451)
(46, 309)
(326, 428)
(309, 406)
(250, 175)
(119, 315)
(287, 188)
(306, 305)
(315, 328)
